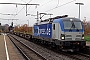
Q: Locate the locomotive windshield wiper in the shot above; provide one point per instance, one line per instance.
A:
(77, 29)
(70, 29)
(73, 26)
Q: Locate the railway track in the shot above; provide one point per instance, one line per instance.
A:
(77, 56)
(27, 52)
(52, 55)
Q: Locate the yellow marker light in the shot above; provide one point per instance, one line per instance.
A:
(78, 43)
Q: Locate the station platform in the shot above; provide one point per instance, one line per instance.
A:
(7, 50)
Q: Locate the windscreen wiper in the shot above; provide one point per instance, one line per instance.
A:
(77, 29)
(70, 29)
(73, 26)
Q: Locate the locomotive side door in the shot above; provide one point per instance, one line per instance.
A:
(55, 30)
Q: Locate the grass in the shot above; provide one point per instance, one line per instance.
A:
(87, 38)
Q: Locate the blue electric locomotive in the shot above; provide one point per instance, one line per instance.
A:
(63, 32)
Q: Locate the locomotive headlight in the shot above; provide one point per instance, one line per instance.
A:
(83, 37)
(62, 36)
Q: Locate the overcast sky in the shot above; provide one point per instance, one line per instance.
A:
(46, 6)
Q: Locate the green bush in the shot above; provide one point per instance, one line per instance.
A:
(87, 38)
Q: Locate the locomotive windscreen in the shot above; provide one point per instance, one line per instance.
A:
(78, 25)
(72, 24)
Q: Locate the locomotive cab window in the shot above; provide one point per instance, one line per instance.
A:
(53, 26)
(67, 24)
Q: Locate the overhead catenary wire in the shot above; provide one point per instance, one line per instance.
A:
(57, 6)
(30, 6)
(19, 11)
(23, 1)
(22, 9)
(60, 5)
(17, 7)
(46, 3)
(57, 3)
(29, 1)
(7, 14)
(42, 5)
(20, 4)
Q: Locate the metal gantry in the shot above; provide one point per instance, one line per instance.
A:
(21, 4)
